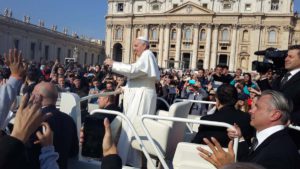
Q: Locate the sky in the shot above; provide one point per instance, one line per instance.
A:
(85, 17)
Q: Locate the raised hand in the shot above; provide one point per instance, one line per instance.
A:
(219, 157)
(234, 132)
(108, 146)
(14, 61)
(45, 138)
(28, 117)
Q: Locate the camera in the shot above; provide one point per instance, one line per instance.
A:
(69, 60)
(273, 59)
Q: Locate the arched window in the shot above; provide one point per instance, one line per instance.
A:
(200, 64)
(138, 33)
(188, 34)
(245, 36)
(202, 35)
(272, 36)
(225, 35)
(119, 34)
(171, 63)
(173, 34)
(154, 35)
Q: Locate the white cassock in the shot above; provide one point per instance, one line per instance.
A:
(139, 98)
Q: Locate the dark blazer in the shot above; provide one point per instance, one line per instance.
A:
(278, 151)
(227, 114)
(291, 90)
(65, 139)
(111, 162)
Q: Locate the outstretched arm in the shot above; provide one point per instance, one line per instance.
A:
(8, 91)
(111, 158)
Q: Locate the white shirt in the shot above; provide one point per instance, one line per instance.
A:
(264, 134)
(293, 72)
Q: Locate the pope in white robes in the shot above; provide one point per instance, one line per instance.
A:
(139, 95)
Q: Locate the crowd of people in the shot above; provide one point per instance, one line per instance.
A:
(259, 105)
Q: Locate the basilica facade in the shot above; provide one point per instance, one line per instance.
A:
(200, 33)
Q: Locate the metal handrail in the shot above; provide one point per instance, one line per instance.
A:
(163, 100)
(97, 95)
(193, 101)
(177, 119)
(142, 146)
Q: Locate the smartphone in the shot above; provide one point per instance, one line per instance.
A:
(93, 137)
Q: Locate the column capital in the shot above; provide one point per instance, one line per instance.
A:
(287, 28)
(209, 25)
(162, 26)
(217, 26)
(196, 25)
(257, 26)
(179, 25)
(109, 26)
(167, 25)
(145, 26)
(235, 26)
(137, 25)
(128, 25)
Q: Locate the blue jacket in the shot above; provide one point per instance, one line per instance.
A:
(8, 94)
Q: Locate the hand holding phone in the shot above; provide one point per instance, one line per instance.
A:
(93, 137)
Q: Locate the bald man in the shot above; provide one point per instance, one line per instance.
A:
(65, 136)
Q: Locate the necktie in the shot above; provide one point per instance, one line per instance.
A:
(285, 79)
(254, 144)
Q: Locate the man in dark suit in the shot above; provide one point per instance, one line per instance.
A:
(289, 85)
(226, 98)
(272, 147)
(65, 138)
(108, 103)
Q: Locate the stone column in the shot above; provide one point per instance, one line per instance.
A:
(213, 61)
(161, 45)
(6, 42)
(195, 46)
(146, 31)
(53, 53)
(127, 39)
(255, 40)
(25, 48)
(207, 46)
(285, 36)
(178, 45)
(166, 45)
(108, 41)
(233, 48)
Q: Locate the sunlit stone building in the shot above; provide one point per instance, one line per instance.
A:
(200, 33)
(39, 43)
